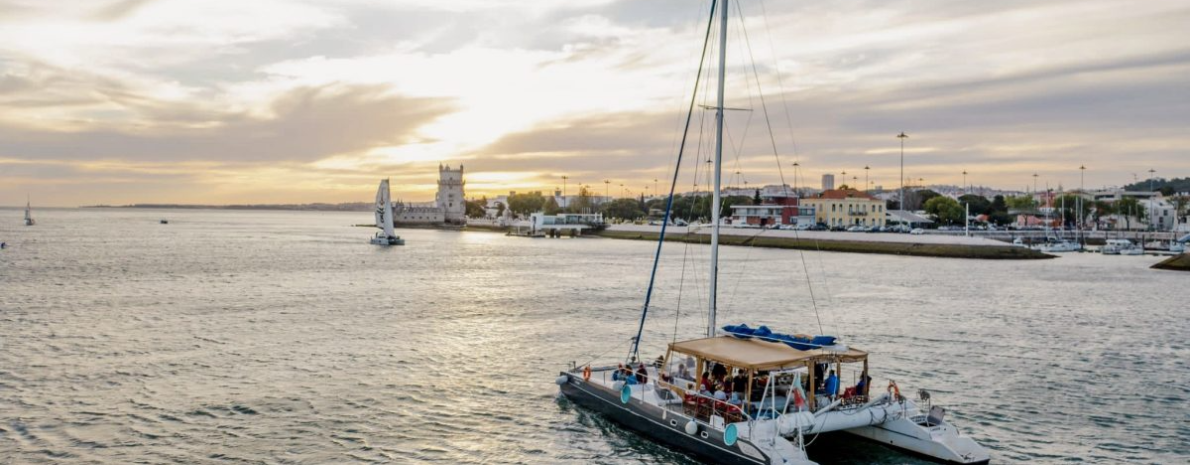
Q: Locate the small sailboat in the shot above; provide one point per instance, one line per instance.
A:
(384, 218)
(777, 394)
(29, 213)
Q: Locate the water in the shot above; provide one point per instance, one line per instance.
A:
(283, 337)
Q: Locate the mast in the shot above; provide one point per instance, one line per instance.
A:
(715, 196)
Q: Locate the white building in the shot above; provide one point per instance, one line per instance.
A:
(450, 194)
(449, 206)
(1162, 215)
(828, 182)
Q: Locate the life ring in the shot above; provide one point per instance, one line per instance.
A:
(587, 373)
(894, 390)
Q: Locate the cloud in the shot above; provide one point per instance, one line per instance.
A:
(305, 124)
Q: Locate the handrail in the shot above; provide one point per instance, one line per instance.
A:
(713, 401)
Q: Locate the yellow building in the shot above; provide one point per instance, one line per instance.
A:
(846, 208)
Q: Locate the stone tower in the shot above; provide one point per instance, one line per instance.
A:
(450, 194)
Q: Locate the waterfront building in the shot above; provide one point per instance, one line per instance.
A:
(450, 196)
(776, 211)
(846, 207)
(449, 206)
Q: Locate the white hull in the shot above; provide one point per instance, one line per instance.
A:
(940, 442)
(387, 240)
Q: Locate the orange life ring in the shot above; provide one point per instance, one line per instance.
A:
(587, 373)
(893, 389)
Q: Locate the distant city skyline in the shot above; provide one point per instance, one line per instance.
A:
(299, 101)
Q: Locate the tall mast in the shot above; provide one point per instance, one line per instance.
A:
(715, 197)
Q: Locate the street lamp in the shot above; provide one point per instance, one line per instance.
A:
(654, 187)
(564, 178)
(965, 182)
(866, 169)
(902, 136)
(795, 167)
(621, 191)
(607, 186)
(1151, 202)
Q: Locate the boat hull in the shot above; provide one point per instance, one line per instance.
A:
(659, 425)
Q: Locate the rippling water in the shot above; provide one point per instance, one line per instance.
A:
(278, 337)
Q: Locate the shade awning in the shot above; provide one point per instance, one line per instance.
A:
(755, 354)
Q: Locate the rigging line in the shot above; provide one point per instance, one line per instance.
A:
(777, 156)
(673, 145)
(635, 352)
(681, 282)
(780, 82)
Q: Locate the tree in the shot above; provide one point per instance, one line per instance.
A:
(1068, 208)
(624, 209)
(979, 204)
(551, 206)
(756, 198)
(1129, 207)
(524, 204)
(499, 209)
(1021, 202)
(999, 211)
(583, 203)
(727, 202)
(476, 208)
(945, 210)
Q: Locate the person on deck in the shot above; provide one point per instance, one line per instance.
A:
(861, 388)
(642, 374)
(832, 385)
(616, 375)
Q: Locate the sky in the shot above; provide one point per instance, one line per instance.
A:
(296, 101)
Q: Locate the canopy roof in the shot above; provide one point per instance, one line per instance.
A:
(754, 354)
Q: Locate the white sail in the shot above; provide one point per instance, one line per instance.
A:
(384, 209)
(380, 203)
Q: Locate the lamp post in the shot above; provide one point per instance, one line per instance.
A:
(654, 187)
(795, 167)
(902, 136)
(564, 178)
(866, 169)
(621, 191)
(607, 186)
(1082, 174)
(1151, 200)
(965, 182)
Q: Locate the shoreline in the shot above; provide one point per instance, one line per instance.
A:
(917, 249)
(912, 247)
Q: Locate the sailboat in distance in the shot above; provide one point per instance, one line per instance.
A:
(744, 395)
(29, 213)
(384, 218)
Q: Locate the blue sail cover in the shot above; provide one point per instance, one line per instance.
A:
(799, 342)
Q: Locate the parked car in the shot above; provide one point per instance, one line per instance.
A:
(917, 231)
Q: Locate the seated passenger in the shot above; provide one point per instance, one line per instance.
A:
(642, 374)
(719, 394)
(616, 375)
(683, 372)
(862, 386)
(832, 385)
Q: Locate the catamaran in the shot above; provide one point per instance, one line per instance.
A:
(29, 213)
(384, 218)
(780, 389)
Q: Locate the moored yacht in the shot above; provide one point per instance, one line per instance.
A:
(750, 396)
(1121, 247)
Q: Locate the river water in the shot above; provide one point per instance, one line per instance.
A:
(284, 337)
